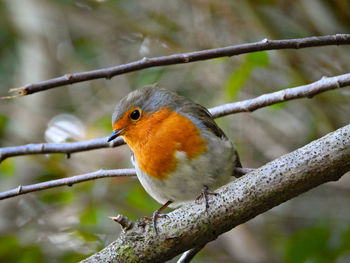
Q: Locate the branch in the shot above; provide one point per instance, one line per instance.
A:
(189, 254)
(20, 190)
(321, 161)
(306, 91)
(23, 189)
(67, 148)
(108, 73)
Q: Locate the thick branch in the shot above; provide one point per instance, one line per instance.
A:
(306, 91)
(20, 190)
(323, 160)
(338, 39)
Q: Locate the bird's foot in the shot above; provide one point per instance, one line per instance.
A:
(204, 194)
(156, 215)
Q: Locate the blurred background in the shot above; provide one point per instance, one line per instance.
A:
(45, 39)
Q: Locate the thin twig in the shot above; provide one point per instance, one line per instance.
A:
(123, 221)
(66, 148)
(20, 190)
(306, 91)
(189, 254)
(239, 171)
(23, 189)
(338, 39)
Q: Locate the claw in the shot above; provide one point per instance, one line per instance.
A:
(204, 194)
(156, 215)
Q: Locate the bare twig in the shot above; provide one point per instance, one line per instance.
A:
(242, 171)
(66, 148)
(338, 39)
(306, 91)
(190, 254)
(123, 221)
(321, 161)
(20, 190)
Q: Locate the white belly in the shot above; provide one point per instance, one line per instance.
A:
(212, 169)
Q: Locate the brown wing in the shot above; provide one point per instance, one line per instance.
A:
(202, 114)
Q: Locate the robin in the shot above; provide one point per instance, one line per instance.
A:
(179, 152)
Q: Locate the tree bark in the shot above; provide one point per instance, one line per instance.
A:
(323, 160)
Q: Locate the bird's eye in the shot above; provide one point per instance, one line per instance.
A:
(135, 115)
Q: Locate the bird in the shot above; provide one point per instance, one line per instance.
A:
(179, 153)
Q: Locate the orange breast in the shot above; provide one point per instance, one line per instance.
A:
(156, 138)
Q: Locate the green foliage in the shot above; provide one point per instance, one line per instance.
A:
(277, 106)
(168, 24)
(149, 76)
(104, 123)
(86, 51)
(12, 251)
(86, 234)
(30, 254)
(315, 244)
(7, 49)
(64, 2)
(8, 243)
(7, 167)
(3, 122)
(89, 222)
(240, 76)
(54, 168)
(345, 242)
(137, 197)
(309, 244)
(89, 216)
(48, 176)
(73, 36)
(257, 59)
(72, 257)
(57, 197)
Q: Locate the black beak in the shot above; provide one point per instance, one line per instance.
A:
(114, 134)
